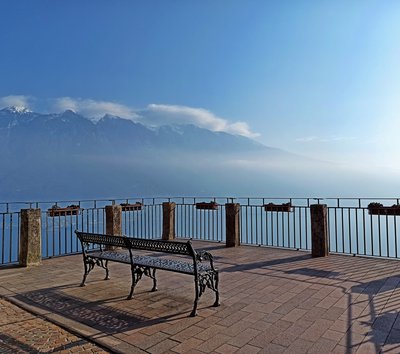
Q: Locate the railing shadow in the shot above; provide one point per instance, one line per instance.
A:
(378, 324)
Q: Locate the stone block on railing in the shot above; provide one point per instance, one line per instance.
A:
(30, 248)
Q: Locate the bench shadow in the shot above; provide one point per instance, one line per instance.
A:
(94, 314)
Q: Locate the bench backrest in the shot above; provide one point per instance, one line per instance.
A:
(174, 247)
(100, 239)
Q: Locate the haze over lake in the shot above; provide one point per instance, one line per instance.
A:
(259, 98)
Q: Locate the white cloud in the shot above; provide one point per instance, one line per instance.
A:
(153, 114)
(16, 100)
(94, 109)
(160, 114)
(333, 138)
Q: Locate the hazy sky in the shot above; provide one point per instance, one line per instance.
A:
(315, 77)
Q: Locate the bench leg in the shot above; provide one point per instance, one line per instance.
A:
(107, 271)
(197, 295)
(88, 266)
(216, 281)
(152, 275)
(209, 280)
(137, 273)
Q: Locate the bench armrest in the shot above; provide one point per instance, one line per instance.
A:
(205, 256)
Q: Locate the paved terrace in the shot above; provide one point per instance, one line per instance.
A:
(272, 301)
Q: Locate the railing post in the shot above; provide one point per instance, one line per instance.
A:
(30, 243)
(319, 230)
(168, 221)
(232, 213)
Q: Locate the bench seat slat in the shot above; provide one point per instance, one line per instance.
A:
(153, 262)
(169, 264)
(116, 256)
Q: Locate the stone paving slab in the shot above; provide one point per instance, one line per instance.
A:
(272, 301)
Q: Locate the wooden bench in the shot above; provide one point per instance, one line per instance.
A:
(96, 251)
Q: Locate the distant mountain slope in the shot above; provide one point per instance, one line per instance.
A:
(72, 133)
(67, 155)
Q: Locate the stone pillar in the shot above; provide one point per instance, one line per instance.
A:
(168, 221)
(319, 230)
(232, 212)
(30, 242)
(113, 222)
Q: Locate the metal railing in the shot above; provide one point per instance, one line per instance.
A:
(9, 233)
(58, 237)
(352, 228)
(290, 228)
(143, 222)
(200, 224)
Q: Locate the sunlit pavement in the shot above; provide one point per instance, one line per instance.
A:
(272, 301)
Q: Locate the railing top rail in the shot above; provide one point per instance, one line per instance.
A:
(99, 203)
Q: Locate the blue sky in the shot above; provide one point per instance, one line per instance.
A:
(320, 78)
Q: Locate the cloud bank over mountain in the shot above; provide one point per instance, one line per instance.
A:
(16, 101)
(159, 114)
(92, 108)
(154, 115)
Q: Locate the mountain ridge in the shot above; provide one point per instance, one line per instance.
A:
(73, 129)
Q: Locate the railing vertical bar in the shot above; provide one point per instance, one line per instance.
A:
(277, 227)
(357, 236)
(301, 229)
(349, 228)
(342, 227)
(251, 221)
(3, 227)
(288, 230)
(336, 231)
(65, 233)
(257, 235)
(395, 234)
(18, 233)
(387, 237)
(307, 215)
(379, 237)
(372, 235)
(272, 228)
(247, 231)
(11, 237)
(364, 233)
(261, 224)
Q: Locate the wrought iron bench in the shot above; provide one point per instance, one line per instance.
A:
(200, 265)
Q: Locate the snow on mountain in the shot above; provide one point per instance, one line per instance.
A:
(17, 110)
